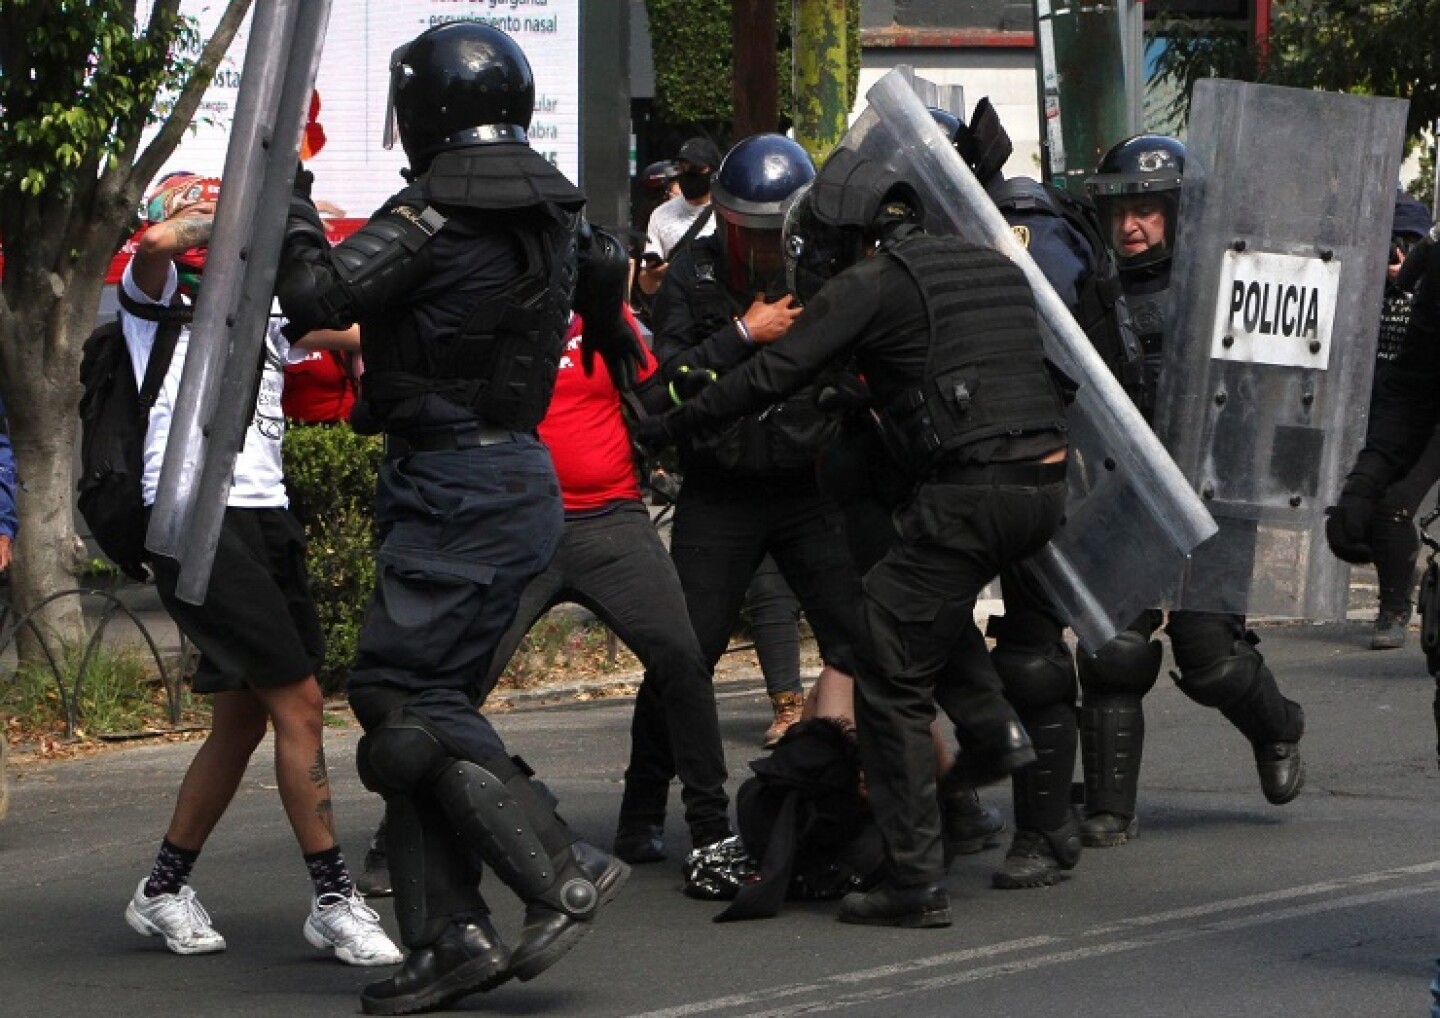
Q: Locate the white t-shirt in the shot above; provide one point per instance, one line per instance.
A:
(259, 478)
(669, 222)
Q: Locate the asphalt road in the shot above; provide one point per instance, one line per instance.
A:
(1225, 906)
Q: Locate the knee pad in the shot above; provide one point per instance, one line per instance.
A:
(1034, 678)
(399, 756)
(1128, 664)
(1225, 682)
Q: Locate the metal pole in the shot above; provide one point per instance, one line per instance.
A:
(217, 391)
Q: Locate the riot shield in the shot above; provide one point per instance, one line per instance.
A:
(1131, 517)
(1275, 291)
(222, 364)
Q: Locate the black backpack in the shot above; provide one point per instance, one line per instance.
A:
(114, 415)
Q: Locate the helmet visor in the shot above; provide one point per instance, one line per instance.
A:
(399, 72)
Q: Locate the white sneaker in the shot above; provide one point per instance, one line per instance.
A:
(179, 918)
(352, 929)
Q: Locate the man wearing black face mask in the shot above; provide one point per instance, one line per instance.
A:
(685, 216)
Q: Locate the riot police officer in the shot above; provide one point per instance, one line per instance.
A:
(751, 489)
(1063, 236)
(947, 338)
(462, 284)
(1136, 189)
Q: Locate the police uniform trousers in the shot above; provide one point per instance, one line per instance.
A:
(615, 564)
(464, 532)
(919, 631)
(722, 530)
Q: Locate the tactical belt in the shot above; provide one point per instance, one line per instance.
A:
(446, 439)
(1027, 474)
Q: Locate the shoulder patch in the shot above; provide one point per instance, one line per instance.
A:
(1022, 234)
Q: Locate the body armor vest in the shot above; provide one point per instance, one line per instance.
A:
(985, 374)
(1147, 297)
(500, 363)
(783, 438)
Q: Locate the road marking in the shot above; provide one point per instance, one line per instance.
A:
(836, 996)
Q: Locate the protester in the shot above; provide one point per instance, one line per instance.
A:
(256, 630)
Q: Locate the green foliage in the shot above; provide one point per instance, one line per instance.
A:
(1336, 45)
(120, 692)
(73, 75)
(330, 473)
(693, 51)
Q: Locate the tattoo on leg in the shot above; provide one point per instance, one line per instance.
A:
(319, 777)
(325, 810)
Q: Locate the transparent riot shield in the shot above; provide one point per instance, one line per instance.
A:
(1131, 518)
(1275, 295)
(222, 363)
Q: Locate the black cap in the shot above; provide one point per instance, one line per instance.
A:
(700, 152)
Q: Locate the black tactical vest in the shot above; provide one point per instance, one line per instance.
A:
(1147, 294)
(501, 362)
(986, 373)
(781, 439)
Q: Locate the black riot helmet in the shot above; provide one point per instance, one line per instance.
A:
(1139, 178)
(458, 84)
(758, 179)
(816, 250)
(852, 204)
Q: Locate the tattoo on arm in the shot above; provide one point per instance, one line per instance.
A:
(192, 231)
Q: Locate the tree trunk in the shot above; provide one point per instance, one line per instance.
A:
(43, 394)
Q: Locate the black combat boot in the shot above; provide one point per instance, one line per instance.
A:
(638, 844)
(921, 906)
(586, 879)
(468, 957)
(1037, 858)
(966, 826)
(1282, 772)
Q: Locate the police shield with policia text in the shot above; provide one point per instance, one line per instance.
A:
(1237, 290)
(463, 284)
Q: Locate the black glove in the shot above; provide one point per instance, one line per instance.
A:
(1347, 525)
(689, 382)
(841, 395)
(652, 432)
(622, 350)
(304, 181)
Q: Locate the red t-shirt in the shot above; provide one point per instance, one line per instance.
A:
(586, 435)
(320, 389)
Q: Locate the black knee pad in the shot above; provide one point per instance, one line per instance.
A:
(399, 756)
(1035, 678)
(1224, 682)
(1128, 665)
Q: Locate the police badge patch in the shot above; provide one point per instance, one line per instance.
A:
(1022, 234)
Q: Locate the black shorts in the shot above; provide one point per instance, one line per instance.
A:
(257, 628)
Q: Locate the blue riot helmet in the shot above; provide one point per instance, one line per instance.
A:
(1136, 183)
(458, 84)
(758, 181)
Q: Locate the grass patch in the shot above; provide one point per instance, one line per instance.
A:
(120, 693)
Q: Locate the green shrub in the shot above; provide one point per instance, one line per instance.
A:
(330, 472)
(121, 692)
